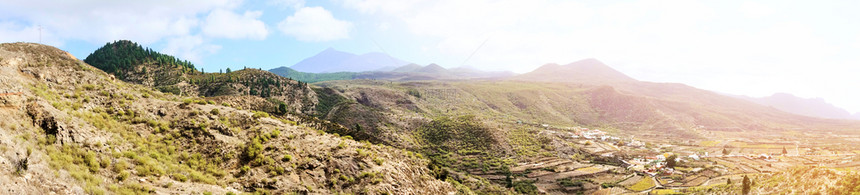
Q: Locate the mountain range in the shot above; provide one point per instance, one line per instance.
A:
(332, 64)
(584, 71)
(814, 107)
(332, 60)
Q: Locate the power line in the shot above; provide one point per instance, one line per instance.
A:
(476, 51)
(386, 53)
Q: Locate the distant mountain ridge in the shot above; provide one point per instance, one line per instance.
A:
(406, 72)
(814, 107)
(584, 71)
(407, 68)
(332, 60)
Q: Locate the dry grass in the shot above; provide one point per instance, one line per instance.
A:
(643, 184)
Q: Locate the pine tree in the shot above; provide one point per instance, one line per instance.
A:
(746, 185)
(282, 108)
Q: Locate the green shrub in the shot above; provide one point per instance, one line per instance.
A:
(120, 165)
(90, 160)
(608, 185)
(214, 111)
(199, 177)
(361, 152)
(525, 187)
(179, 177)
(122, 176)
(258, 115)
(254, 150)
(105, 162)
(89, 87)
(378, 161)
(414, 92)
(367, 175)
(567, 182)
(287, 158)
(245, 169)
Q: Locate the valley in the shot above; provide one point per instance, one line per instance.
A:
(562, 151)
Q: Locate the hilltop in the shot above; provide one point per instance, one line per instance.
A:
(583, 71)
(132, 63)
(70, 128)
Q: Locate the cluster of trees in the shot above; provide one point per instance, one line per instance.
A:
(124, 55)
(264, 87)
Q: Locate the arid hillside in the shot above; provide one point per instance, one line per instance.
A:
(70, 128)
(510, 131)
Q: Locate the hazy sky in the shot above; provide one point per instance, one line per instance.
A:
(807, 48)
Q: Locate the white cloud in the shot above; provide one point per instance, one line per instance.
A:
(315, 24)
(13, 32)
(756, 10)
(191, 48)
(102, 21)
(226, 24)
(295, 4)
(383, 6)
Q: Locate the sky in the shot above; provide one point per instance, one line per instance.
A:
(756, 48)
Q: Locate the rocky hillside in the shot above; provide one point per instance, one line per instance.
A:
(70, 128)
(130, 62)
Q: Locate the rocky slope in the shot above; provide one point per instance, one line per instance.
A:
(70, 128)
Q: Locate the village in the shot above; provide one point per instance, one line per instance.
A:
(669, 166)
